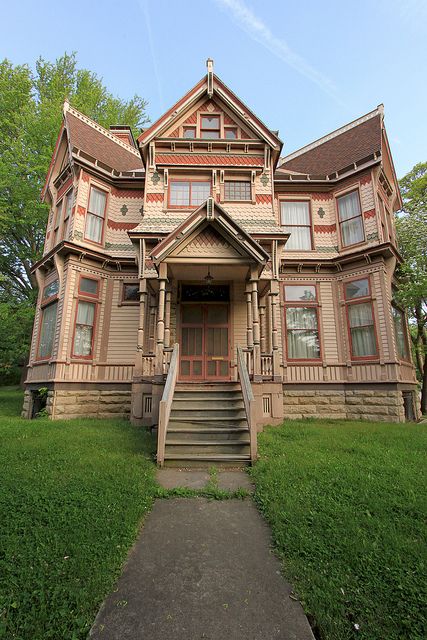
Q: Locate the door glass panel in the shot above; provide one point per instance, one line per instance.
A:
(192, 314)
(217, 315)
(211, 368)
(185, 367)
(223, 368)
(198, 341)
(184, 346)
(197, 367)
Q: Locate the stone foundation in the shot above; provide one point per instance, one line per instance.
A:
(64, 405)
(360, 404)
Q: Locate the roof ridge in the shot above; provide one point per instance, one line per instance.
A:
(84, 118)
(379, 110)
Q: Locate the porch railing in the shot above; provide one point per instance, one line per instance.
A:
(148, 365)
(166, 405)
(248, 400)
(267, 366)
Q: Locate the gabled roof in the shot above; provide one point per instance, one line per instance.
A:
(210, 85)
(347, 145)
(89, 137)
(215, 215)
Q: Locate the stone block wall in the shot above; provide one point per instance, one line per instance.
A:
(64, 405)
(359, 404)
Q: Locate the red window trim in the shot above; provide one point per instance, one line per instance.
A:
(191, 207)
(229, 127)
(301, 304)
(52, 300)
(201, 128)
(361, 300)
(84, 294)
(107, 193)
(340, 222)
(283, 200)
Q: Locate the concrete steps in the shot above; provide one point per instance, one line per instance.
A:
(207, 425)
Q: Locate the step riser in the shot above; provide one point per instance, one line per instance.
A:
(206, 437)
(206, 464)
(206, 449)
(223, 414)
(207, 405)
(198, 425)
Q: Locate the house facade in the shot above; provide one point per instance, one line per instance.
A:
(199, 259)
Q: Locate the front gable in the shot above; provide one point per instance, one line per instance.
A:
(209, 244)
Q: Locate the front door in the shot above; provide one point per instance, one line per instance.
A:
(205, 342)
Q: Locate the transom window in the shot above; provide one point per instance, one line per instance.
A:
(187, 193)
(302, 325)
(350, 219)
(237, 190)
(95, 215)
(360, 317)
(51, 290)
(88, 286)
(296, 220)
(210, 127)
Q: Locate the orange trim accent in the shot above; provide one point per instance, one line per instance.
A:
(249, 161)
(369, 214)
(85, 176)
(263, 198)
(81, 210)
(365, 179)
(64, 188)
(127, 193)
(325, 228)
(192, 119)
(111, 224)
(155, 197)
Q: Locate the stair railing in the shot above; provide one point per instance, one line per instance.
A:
(166, 405)
(248, 400)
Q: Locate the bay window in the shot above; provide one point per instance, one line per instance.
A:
(296, 220)
(350, 219)
(84, 324)
(188, 193)
(360, 317)
(95, 215)
(302, 322)
(47, 330)
(400, 333)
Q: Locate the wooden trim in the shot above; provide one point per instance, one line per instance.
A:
(301, 304)
(86, 293)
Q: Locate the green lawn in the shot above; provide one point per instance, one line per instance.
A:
(72, 497)
(347, 507)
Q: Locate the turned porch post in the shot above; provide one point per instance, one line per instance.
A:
(274, 293)
(255, 324)
(160, 338)
(168, 318)
(262, 327)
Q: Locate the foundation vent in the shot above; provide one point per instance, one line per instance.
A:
(148, 405)
(266, 405)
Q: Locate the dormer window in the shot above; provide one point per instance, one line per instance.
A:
(189, 132)
(210, 127)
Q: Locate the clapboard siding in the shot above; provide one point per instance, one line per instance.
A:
(123, 333)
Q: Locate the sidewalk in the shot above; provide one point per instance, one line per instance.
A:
(202, 570)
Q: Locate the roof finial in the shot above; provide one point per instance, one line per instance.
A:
(209, 64)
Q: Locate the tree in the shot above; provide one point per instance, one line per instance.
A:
(411, 225)
(30, 119)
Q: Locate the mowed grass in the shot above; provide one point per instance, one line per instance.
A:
(72, 498)
(347, 505)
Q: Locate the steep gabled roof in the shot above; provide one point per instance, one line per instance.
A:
(89, 137)
(340, 149)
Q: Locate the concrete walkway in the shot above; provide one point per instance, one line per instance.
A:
(202, 570)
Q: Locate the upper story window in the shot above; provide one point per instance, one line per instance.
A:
(88, 286)
(360, 317)
(50, 290)
(210, 127)
(296, 220)
(237, 190)
(84, 323)
(68, 205)
(302, 322)
(350, 219)
(188, 193)
(230, 133)
(189, 132)
(400, 333)
(95, 215)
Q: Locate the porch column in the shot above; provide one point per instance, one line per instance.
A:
(249, 326)
(139, 367)
(262, 327)
(255, 324)
(274, 292)
(168, 318)
(160, 338)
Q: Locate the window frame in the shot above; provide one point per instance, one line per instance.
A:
(248, 181)
(187, 127)
(93, 185)
(368, 299)
(86, 293)
(310, 214)
(57, 224)
(43, 306)
(123, 301)
(66, 219)
(354, 189)
(396, 307)
(315, 304)
(202, 129)
(190, 206)
(83, 296)
(230, 127)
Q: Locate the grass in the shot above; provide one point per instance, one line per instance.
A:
(72, 498)
(346, 504)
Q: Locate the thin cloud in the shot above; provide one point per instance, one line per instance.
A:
(144, 7)
(261, 33)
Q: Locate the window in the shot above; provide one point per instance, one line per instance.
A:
(400, 333)
(360, 316)
(50, 290)
(95, 215)
(302, 326)
(210, 127)
(57, 226)
(88, 286)
(230, 133)
(47, 330)
(68, 205)
(83, 331)
(189, 132)
(296, 220)
(237, 190)
(130, 292)
(350, 219)
(187, 193)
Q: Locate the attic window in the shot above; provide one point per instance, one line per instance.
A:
(230, 133)
(189, 132)
(210, 127)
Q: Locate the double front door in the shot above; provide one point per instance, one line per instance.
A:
(205, 342)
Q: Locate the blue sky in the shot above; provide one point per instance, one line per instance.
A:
(305, 68)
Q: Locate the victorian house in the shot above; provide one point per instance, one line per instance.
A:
(205, 285)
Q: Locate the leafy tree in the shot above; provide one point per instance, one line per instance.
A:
(411, 226)
(30, 119)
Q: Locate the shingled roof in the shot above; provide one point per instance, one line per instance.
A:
(341, 148)
(89, 137)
